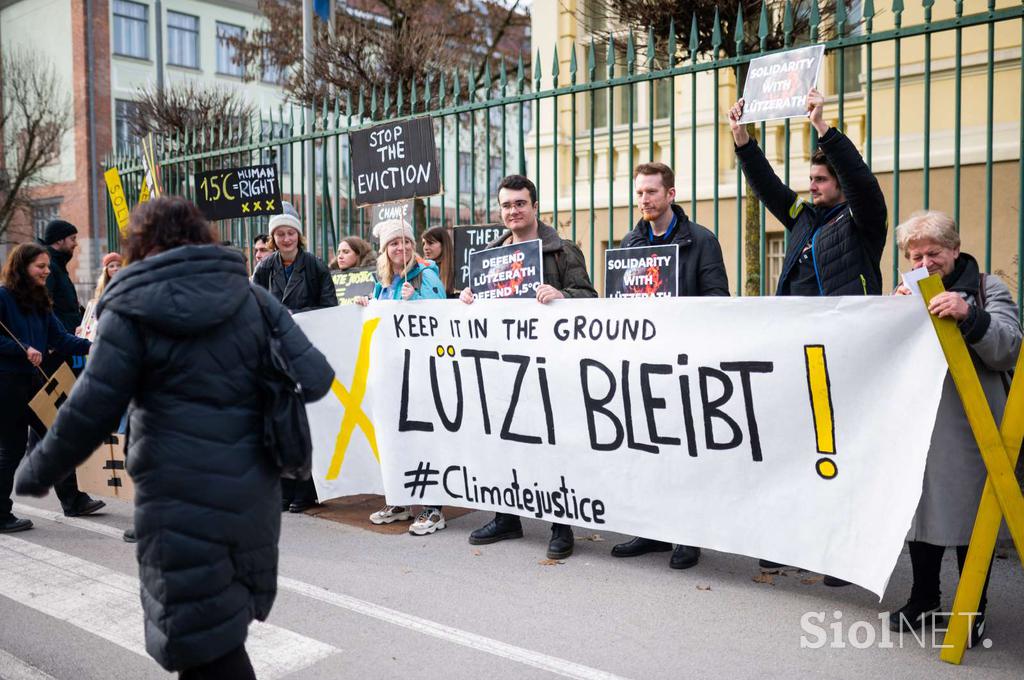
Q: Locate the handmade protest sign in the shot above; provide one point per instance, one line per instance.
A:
(469, 239)
(399, 210)
(512, 271)
(646, 271)
(777, 84)
(770, 427)
(238, 192)
(394, 161)
(352, 283)
(118, 201)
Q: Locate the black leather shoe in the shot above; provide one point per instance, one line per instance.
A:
(833, 582)
(684, 557)
(500, 528)
(14, 524)
(129, 536)
(561, 543)
(639, 546)
(301, 505)
(85, 506)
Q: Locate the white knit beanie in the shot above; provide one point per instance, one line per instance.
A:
(389, 230)
(277, 221)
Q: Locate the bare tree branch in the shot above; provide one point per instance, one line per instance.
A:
(35, 114)
(222, 114)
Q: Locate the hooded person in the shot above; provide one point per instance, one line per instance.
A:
(183, 341)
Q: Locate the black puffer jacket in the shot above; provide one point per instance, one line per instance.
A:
(309, 287)
(181, 336)
(701, 268)
(846, 240)
(65, 297)
(564, 265)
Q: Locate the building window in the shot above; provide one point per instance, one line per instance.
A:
(774, 254)
(465, 171)
(131, 29)
(43, 212)
(182, 39)
(125, 141)
(226, 52)
(271, 72)
(280, 155)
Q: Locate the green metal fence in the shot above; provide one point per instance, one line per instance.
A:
(487, 129)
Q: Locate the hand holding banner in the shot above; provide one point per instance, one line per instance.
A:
(777, 84)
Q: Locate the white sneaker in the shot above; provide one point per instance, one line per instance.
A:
(391, 513)
(427, 522)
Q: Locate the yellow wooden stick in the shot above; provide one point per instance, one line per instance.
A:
(986, 530)
(1002, 483)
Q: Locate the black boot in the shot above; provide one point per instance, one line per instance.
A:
(14, 524)
(561, 543)
(640, 546)
(926, 563)
(684, 557)
(500, 528)
(84, 505)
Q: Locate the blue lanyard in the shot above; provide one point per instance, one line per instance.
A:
(668, 232)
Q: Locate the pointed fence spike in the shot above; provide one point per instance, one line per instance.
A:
(503, 77)
(787, 23)
(572, 65)
(537, 73)
(487, 76)
(738, 33)
(650, 48)
(694, 38)
(762, 25)
(672, 42)
(815, 20)
(555, 69)
(716, 34)
(591, 61)
(630, 54)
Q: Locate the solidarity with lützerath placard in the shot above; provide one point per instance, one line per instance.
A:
(700, 422)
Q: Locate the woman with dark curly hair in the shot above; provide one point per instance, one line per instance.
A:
(182, 338)
(29, 331)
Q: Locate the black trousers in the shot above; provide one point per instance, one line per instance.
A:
(234, 665)
(926, 563)
(16, 390)
(298, 490)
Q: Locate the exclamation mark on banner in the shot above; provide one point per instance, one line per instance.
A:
(821, 408)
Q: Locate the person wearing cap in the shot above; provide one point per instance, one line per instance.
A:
(61, 239)
(301, 282)
(401, 275)
(112, 263)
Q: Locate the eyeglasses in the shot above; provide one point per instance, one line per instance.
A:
(515, 205)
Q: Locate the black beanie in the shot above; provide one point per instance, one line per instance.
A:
(56, 230)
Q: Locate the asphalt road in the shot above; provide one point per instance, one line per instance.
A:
(358, 604)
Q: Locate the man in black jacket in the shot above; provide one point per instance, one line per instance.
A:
(61, 239)
(836, 240)
(565, 276)
(701, 272)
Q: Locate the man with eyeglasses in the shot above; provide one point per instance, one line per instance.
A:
(565, 276)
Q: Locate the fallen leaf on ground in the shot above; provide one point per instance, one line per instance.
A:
(477, 553)
(596, 538)
(765, 578)
(810, 580)
(550, 563)
(699, 587)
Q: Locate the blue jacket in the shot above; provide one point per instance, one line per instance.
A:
(39, 330)
(425, 279)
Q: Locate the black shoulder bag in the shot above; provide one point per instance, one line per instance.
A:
(285, 425)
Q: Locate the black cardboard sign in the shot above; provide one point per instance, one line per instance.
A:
(512, 271)
(467, 240)
(395, 161)
(351, 283)
(646, 271)
(238, 192)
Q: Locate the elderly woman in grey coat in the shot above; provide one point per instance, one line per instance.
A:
(955, 474)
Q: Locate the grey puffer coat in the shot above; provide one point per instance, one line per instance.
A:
(955, 474)
(181, 336)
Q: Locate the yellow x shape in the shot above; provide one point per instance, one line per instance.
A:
(352, 401)
(1002, 496)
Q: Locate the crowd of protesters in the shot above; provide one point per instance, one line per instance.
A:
(182, 337)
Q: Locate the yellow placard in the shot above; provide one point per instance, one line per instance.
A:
(118, 201)
(144, 192)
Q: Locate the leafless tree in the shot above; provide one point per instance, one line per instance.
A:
(35, 114)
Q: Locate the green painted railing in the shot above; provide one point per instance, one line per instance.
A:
(603, 114)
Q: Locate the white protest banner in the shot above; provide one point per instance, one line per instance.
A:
(512, 271)
(345, 452)
(771, 427)
(777, 84)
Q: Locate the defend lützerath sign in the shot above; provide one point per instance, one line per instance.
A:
(395, 161)
(777, 84)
